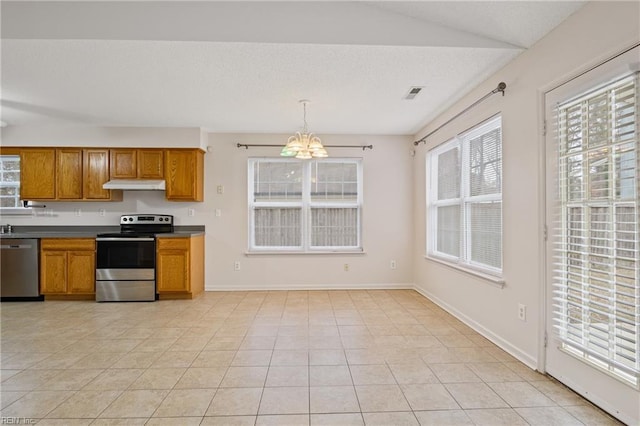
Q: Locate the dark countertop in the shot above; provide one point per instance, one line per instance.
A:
(24, 232)
(180, 233)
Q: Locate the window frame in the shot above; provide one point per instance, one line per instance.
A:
(20, 208)
(306, 205)
(464, 200)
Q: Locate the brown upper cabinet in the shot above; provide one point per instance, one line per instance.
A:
(150, 164)
(184, 173)
(38, 174)
(77, 174)
(70, 174)
(123, 163)
(95, 173)
(136, 163)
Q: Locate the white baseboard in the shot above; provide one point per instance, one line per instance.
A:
(514, 351)
(293, 287)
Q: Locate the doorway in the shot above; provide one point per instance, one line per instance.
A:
(593, 249)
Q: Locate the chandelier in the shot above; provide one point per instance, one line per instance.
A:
(304, 145)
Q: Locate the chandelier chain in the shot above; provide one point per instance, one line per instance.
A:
(304, 115)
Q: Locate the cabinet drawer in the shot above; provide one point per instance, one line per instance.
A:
(67, 244)
(173, 243)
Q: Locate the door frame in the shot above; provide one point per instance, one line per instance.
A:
(543, 334)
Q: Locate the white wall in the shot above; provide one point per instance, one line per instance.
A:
(387, 216)
(70, 135)
(592, 34)
(387, 210)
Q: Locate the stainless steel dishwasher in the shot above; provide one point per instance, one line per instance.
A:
(19, 269)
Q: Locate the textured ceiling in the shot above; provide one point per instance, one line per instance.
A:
(243, 66)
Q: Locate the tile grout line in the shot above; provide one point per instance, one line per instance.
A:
(266, 377)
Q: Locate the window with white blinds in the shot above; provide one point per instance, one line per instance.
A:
(305, 206)
(465, 199)
(10, 182)
(596, 283)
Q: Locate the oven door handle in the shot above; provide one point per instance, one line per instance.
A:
(126, 239)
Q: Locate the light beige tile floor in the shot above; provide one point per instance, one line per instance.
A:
(268, 358)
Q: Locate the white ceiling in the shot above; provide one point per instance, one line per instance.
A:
(242, 66)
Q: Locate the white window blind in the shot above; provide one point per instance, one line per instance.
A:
(305, 206)
(10, 181)
(596, 286)
(465, 199)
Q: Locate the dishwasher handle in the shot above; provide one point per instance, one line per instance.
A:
(15, 246)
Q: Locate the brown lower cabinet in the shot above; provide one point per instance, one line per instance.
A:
(68, 268)
(180, 267)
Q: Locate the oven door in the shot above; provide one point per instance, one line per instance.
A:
(125, 269)
(126, 253)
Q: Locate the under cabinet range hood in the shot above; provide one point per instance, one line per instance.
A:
(136, 184)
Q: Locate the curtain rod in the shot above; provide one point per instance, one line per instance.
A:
(248, 145)
(500, 89)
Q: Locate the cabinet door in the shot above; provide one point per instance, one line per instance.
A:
(172, 265)
(173, 271)
(123, 163)
(150, 164)
(53, 272)
(38, 174)
(96, 174)
(184, 175)
(81, 271)
(69, 174)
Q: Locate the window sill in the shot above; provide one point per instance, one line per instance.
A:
(490, 279)
(304, 253)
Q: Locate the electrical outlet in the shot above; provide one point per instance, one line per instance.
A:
(78, 212)
(218, 212)
(522, 312)
(220, 189)
(392, 264)
(236, 265)
(192, 212)
(102, 212)
(346, 267)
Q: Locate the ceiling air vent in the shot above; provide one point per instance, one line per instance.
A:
(413, 92)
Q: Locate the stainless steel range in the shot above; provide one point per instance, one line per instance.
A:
(126, 261)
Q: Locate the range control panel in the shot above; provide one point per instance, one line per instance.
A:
(146, 219)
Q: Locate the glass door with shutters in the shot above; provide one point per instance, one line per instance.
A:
(593, 251)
